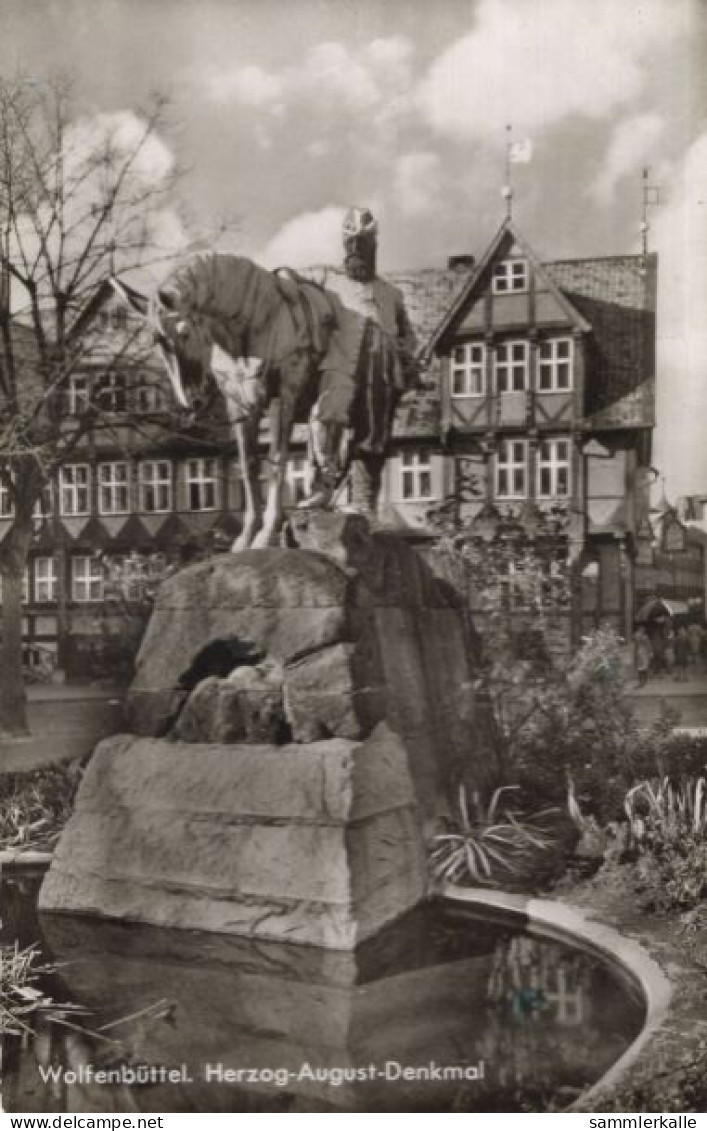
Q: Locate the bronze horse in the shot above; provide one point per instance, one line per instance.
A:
(267, 339)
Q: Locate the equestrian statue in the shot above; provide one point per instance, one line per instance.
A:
(333, 348)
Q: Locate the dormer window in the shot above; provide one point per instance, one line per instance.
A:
(112, 393)
(510, 275)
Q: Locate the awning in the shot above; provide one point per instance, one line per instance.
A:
(658, 605)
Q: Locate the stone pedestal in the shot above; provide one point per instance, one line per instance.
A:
(297, 715)
(316, 843)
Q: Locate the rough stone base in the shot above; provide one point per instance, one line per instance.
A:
(317, 843)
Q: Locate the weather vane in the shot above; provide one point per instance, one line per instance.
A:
(517, 152)
(650, 200)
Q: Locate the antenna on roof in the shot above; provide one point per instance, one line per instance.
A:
(650, 199)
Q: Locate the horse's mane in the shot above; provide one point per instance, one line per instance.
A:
(217, 284)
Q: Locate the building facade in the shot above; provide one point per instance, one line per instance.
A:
(538, 389)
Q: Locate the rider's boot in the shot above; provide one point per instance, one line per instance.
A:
(366, 474)
(326, 442)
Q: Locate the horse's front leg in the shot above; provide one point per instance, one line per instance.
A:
(281, 420)
(247, 437)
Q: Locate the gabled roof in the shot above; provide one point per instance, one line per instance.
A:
(429, 293)
(507, 234)
(622, 280)
(133, 337)
(101, 295)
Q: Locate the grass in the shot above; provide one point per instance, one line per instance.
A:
(35, 806)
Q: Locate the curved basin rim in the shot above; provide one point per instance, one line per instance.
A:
(564, 921)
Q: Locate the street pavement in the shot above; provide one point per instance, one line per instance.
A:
(67, 721)
(689, 697)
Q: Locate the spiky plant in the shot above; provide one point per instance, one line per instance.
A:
(488, 843)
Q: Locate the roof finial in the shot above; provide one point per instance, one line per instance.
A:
(650, 198)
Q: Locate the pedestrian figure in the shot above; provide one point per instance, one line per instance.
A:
(695, 633)
(682, 654)
(657, 641)
(669, 650)
(643, 654)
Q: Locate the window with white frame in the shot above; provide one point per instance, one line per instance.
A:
(74, 493)
(86, 578)
(468, 370)
(298, 477)
(416, 475)
(555, 365)
(510, 275)
(510, 364)
(78, 394)
(155, 486)
(113, 488)
(45, 580)
(112, 393)
(553, 468)
(512, 469)
(201, 484)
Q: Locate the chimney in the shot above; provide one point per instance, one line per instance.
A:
(461, 263)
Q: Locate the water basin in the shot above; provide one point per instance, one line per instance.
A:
(448, 1010)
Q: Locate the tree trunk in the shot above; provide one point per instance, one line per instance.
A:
(13, 698)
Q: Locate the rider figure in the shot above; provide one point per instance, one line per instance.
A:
(371, 357)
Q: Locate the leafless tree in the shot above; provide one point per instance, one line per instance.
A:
(80, 197)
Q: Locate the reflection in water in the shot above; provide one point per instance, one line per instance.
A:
(441, 1012)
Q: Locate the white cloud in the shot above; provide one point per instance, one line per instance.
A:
(318, 147)
(330, 71)
(122, 136)
(417, 182)
(632, 145)
(96, 152)
(536, 64)
(679, 232)
(250, 86)
(311, 237)
(391, 59)
(329, 77)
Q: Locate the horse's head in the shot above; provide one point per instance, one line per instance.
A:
(181, 337)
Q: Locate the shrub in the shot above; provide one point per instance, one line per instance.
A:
(579, 724)
(668, 824)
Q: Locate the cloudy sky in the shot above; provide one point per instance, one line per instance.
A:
(286, 111)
